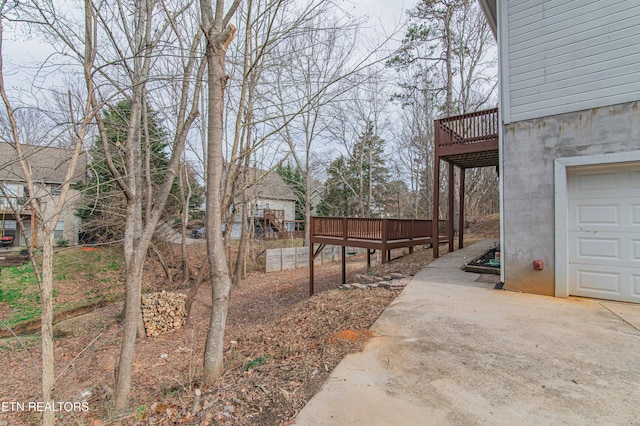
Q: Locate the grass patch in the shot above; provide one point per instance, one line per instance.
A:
(256, 362)
(20, 290)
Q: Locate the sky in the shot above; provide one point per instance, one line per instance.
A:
(385, 18)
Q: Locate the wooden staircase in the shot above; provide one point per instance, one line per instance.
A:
(275, 219)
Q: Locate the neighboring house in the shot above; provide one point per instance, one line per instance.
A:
(49, 167)
(272, 205)
(569, 142)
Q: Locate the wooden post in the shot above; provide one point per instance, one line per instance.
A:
(311, 232)
(435, 218)
(463, 172)
(450, 218)
(413, 231)
(368, 258)
(311, 268)
(344, 264)
(385, 236)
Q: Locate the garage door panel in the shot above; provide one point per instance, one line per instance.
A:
(600, 281)
(622, 217)
(621, 284)
(635, 214)
(604, 232)
(635, 250)
(590, 181)
(598, 215)
(598, 248)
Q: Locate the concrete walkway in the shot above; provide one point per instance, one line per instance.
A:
(451, 350)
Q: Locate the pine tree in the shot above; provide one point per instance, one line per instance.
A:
(356, 184)
(103, 206)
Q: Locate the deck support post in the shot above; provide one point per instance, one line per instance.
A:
(311, 267)
(312, 257)
(450, 214)
(463, 172)
(386, 253)
(436, 205)
(344, 264)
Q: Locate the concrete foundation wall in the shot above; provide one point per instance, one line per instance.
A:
(298, 257)
(529, 149)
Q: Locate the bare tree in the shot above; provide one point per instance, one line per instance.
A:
(447, 67)
(79, 122)
(121, 38)
(218, 34)
(315, 72)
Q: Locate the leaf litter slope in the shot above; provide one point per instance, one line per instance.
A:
(280, 346)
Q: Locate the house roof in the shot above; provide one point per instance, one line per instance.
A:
(490, 12)
(269, 184)
(48, 164)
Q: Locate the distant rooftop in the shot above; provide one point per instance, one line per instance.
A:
(48, 164)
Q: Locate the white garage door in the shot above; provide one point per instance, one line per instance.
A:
(604, 232)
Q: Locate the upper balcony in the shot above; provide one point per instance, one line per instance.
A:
(10, 205)
(468, 140)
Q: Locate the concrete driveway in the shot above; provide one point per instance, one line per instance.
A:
(451, 350)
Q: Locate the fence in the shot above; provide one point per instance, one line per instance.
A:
(298, 257)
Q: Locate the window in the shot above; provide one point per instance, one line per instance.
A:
(58, 233)
(10, 195)
(55, 189)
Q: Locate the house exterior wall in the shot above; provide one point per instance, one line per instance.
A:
(69, 222)
(529, 148)
(289, 207)
(561, 56)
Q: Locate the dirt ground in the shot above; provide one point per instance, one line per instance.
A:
(280, 346)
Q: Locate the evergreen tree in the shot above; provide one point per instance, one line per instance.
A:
(103, 207)
(356, 184)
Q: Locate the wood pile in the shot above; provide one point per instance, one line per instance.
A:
(163, 312)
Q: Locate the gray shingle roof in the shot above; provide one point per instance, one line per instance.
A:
(48, 165)
(269, 185)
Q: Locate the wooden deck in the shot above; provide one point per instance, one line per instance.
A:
(463, 141)
(369, 233)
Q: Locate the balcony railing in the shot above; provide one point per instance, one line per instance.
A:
(269, 213)
(467, 129)
(9, 204)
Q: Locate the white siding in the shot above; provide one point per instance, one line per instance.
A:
(560, 56)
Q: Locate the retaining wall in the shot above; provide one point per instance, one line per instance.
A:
(298, 257)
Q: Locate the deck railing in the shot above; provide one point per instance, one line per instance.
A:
(471, 128)
(377, 229)
(7, 204)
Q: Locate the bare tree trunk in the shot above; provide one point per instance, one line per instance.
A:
(218, 39)
(124, 371)
(48, 224)
(185, 199)
(46, 318)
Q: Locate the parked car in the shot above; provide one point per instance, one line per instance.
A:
(198, 233)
